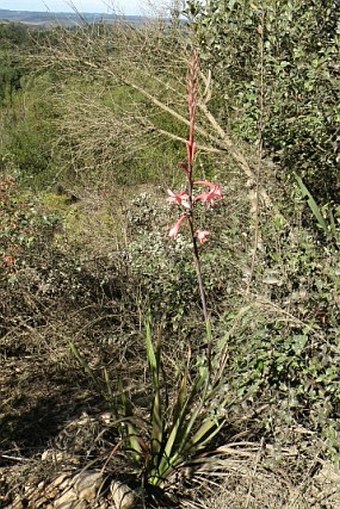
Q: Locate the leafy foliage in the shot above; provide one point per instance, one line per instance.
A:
(300, 74)
(22, 227)
(28, 135)
(13, 36)
(163, 270)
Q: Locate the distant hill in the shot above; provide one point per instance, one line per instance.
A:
(49, 19)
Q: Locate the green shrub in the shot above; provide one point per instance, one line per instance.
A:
(28, 135)
(23, 228)
(301, 110)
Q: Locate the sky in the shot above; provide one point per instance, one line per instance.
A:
(126, 6)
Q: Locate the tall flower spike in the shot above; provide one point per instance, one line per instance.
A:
(192, 80)
(186, 198)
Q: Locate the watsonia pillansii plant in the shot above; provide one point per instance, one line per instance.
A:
(174, 435)
(179, 433)
(186, 199)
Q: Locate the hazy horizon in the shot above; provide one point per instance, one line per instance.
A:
(129, 7)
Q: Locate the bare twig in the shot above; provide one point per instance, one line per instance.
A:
(133, 64)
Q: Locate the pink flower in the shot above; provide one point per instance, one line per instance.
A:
(176, 227)
(181, 199)
(209, 197)
(202, 236)
(9, 260)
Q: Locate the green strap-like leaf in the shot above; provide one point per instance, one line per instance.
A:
(312, 203)
(127, 428)
(150, 351)
(182, 426)
(109, 395)
(206, 432)
(84, 364)
(133, 441)
(181, 398)
(157, 424)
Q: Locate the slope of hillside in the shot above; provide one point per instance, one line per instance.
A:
(60, 18)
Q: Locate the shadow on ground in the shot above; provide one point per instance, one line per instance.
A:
(36, 405)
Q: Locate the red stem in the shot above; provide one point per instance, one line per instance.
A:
(192, 105)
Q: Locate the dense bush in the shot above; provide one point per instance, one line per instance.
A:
(10, 79)
(300, 80)
(285, 349)
(13, 36)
